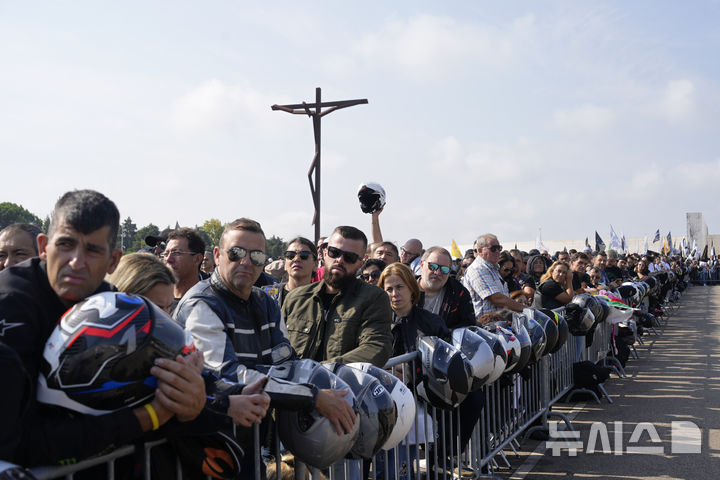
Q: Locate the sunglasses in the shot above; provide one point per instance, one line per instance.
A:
(434, 267)
(303, 254)
(350, 257)
(257, 257)
(375, 274)
(495, 248)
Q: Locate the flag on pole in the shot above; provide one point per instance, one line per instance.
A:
(712, 250)
(694, 251)
(623, 242)
(614, 240)
(684, 247)
(667, 244)
(645, 246)
(455, 250)
(704, 256)
(599, 244)
(657, 236)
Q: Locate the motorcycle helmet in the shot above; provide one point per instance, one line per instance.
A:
(580, 320)
(371, 196)
(498, 350)
(549, 326)
(627, 291)
(586, 300)
(537, 339)
(445, 373)
(307, 434)
(98, 358)
(376, 410)
(479, 355)
(562, 326)
(510, 343)
(401, 395)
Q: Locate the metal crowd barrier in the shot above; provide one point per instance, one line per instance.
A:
(432, 450)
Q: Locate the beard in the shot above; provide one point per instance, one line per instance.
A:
(338, 281)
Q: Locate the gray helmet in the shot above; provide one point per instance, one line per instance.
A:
(478, 352)
(376, 409)
(580, 320)
(537, 339)
(497, 346)
(445, 373)
(308, 435)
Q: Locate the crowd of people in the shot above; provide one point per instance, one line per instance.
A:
(343, 299)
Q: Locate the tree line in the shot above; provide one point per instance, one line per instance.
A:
(131, 238)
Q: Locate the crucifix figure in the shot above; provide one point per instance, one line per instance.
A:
(316, 112)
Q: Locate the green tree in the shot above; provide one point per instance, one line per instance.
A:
(46, 224)
(214, 229)
(206, 238)
(126, 235)
(275, 247)
(139, 239)
(12, 213)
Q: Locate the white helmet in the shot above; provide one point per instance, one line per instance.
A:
(511, 344)
(479, 355)
(403, 397)
(308, 435)
(376, 409)
(371, 196)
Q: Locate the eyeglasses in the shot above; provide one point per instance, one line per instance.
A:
(375, 274)
(434, 267)
(175, 254)
(303, 254)
(257, 257)
(495, 248)
(350, 257)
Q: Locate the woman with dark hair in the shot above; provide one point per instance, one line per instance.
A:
(536, 267)
(300, 263)
(371, 270)
(507, 267)
(556, 288)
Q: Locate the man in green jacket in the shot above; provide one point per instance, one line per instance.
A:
(341, 318)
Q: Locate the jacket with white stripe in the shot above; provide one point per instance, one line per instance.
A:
(234, 334)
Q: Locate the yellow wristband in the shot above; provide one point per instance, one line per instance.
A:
(153, 416)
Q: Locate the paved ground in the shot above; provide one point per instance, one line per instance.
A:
(676, 379)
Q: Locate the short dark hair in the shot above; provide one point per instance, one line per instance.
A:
(304, 241)
(242, 224)
(196, 244)
(29, 228)
(574, 257)
(370, 262)
(86, 211)
(352, 233)
(390, 245)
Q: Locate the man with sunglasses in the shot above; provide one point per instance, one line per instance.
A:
(341, 318)
(482, 279)
(441, 293)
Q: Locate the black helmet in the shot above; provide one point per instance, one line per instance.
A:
(537, 338)
(498, 350)
(562, 326)
(549, 326)
(580, 320)
(627, 291)
(307, 434)
(586, 300)
(99, 356)
(371, 196)
(478, 352)
(376, 409)
(445, 371)
(603, 302)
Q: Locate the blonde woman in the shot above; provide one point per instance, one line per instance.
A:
(145, 274)
(556, 288)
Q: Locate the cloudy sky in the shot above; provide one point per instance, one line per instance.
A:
(562, 116)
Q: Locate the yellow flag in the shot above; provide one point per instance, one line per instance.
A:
(455, 251)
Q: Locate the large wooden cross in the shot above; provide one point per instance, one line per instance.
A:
(317, 114)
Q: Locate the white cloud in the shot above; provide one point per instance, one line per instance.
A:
(430, 47)
(678, 102)
(586, 118)
(216, 105)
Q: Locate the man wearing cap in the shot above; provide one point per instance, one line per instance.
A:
(341, 318)
(482, 279)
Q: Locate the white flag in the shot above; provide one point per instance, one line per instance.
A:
(645, 246)
(614, 240)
